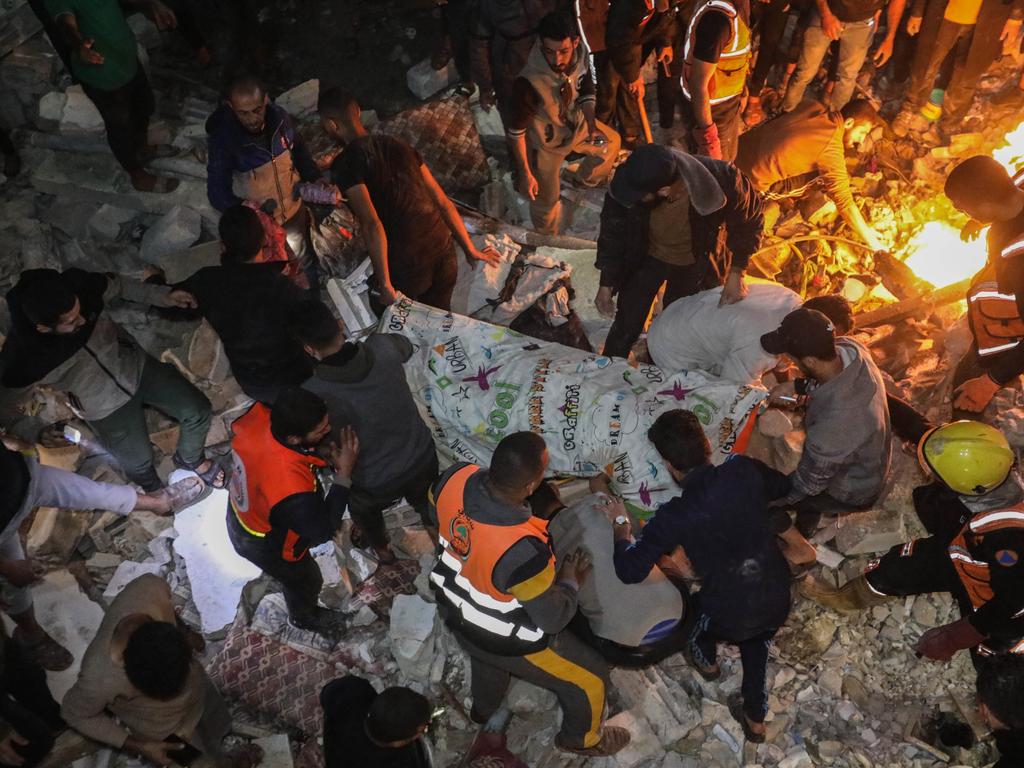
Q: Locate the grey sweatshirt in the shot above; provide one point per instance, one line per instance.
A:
(848, 446)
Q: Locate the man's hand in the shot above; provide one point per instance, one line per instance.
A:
(343, 455)
(665, 54)
(786, 389)
(575, 566)
(605, 301)
(163, 16)
(735, 289)
(913, 25)
(636, 88)
(975, 394)
(53, 437)
(884, 52)
(180, 299)
(1011, 36)
(528, 185)
(88, 55)
(831, 26)
(488, 255)
(488, 98)
(19, 573)
(971, 231)
(157, 752)
(8, 755)
(707, 140)
(388, 296)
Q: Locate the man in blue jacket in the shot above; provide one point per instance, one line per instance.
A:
(255, 154)
(721, 519)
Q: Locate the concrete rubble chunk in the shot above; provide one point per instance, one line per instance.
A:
(51, 106)
(412, 635)
(177, 230)
(146, 32)
(108, 220)
(643, 743)
(424, 81)
(80, 114)
(301, 100)
(206, 356)
(876, 530)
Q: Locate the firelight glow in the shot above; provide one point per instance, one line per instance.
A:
(938, 255)
(1012, 155)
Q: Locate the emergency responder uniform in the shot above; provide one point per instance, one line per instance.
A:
(278, 508)
(731, 53)
(995, 307)
(974, 552)
(497, 590)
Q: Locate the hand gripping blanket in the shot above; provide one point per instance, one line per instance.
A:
(475, 383)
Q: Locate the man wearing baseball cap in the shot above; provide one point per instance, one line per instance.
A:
(660, 223)
(846, 454)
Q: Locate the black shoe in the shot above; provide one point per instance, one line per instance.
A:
(709, 672)
(735, 703)
(330, 624)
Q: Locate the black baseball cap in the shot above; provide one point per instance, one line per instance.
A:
(803, 333)
(648, 169)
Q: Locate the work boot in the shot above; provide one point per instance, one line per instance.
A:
(852, 596)
(330, 624)
(612, 740)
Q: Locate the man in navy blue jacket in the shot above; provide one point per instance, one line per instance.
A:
(721, 519)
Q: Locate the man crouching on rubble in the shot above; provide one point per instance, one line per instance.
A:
(974, 511)
(981, 188)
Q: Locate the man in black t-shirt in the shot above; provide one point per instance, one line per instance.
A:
(406, 218)
(853, 24)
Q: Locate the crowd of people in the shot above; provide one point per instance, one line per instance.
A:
(531, 588)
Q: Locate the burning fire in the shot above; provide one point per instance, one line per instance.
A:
(936, 253)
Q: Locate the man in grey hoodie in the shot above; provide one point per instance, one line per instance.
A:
(847, 451)
(364, 385)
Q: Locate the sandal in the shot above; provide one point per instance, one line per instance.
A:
(708, 672)
(182, 494)
(215, 475)
(44, 651)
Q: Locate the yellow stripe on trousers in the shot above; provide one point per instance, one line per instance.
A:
(593, 686)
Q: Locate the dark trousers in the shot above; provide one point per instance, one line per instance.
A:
(753, 655)
(367, 506)
(58, 39)
(457, 23)
(636, 296)
(938, 38)
(126, 112)
(809, 512)
(984, 49)
(573, 671)
(432, 284)
(27, 705)
(301, 580)
(770, 27)
(907, 422)
(124, 432)
(726, 116)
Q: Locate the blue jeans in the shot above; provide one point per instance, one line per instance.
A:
(854, 42)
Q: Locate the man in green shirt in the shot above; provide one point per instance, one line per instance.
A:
(105, 60)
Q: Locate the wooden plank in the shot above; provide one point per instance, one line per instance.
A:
(901, 310)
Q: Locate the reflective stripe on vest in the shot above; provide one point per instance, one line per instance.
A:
(730, 75)
(994, 318)
(463, 579)
(975, 574)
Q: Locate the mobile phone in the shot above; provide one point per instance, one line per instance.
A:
(790, 399)
(72, 435)
(184, 756)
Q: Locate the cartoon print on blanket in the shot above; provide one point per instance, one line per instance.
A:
(475, 383)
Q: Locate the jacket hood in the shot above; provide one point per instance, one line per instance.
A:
(706, 195)
(223, 123)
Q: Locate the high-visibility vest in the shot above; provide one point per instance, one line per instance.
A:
(463, 576)
(266, 472)
(730, 76)
(992, 313)
(975, 574)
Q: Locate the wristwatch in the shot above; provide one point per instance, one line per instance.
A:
(621, 520)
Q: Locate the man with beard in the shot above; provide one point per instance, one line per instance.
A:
(407, 219)
(808, 146)
(660, 223)
(846, 453)
(255, 154)
(745, 582)
(552, 112)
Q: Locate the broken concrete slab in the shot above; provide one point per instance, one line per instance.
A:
(876, 530)
(424, 81)
(79, 114)
(19, 24)
(206, 356)
(412, 635)
(300, 101)
(176, 231)
(126, 573)
(108, 220)
(643, 743)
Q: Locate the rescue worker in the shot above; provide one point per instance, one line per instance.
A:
(279, 505)
(982, 188)
(716, 58)
(974, 511)
(506, 600)
(551, 114)
(660, 223)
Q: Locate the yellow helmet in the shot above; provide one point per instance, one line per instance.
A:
(970, 457)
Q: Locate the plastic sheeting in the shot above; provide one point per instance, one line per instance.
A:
(475, 383)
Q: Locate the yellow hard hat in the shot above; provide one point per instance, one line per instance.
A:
(970, 457)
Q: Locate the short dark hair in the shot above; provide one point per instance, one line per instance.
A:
(242, 234)
(397, 714)
(157, 660)
(861, 111)
(558, 26)
(517, 459)
(45, 295)
(680, 440)
(337, 104)
(979, 178)
(244, 82)
(836, 308)
(1001, 688)
(295, 413)
(312, 323)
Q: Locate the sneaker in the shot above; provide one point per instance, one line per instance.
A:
(709, 672)
(613, 739)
